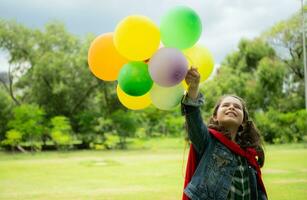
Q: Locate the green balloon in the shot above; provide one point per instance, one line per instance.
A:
(180, 27)
(134, 78)
(166, 98)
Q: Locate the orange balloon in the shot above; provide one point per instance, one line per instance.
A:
(103, 59)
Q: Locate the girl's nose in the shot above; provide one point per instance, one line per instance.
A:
(231, 107)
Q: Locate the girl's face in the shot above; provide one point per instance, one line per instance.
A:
(230, 113)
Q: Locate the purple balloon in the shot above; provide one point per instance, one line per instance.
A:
(168, 67)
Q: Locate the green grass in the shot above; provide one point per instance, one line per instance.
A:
(154, 173)
(285, 172)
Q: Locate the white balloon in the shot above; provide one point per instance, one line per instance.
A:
(166, 98)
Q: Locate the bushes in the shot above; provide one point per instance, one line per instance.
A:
(277, 127)
(13, 138)
(29, 128)
(61, 132)
(6, 106)
(28, 121)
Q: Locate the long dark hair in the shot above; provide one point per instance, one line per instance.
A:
(248, 135)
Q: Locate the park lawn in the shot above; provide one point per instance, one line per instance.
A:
(152, 173)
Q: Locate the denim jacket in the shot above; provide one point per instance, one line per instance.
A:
(213, 176)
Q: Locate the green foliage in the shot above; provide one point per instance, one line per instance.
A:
(160, 123)
(13, 138)
(63, 141)
(53, 69)
(124, 124)
(151, 119)
(61, 132)
(111, 141)
(29, 121)
(88, 121)
(140, 133)
(270, 74)
(6, 107)
(249, 54)
(277, 127)
(174, 125)
(286, 38)
(269, 84)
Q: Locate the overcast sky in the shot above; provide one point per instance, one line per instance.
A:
(225, 22)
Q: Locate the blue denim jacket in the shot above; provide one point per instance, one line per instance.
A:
(213, 176)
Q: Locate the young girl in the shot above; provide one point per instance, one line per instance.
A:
(225, 157)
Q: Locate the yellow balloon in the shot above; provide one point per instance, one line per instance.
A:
(137, 37)
(185, 85)
(201, 58)
(133, 102)
(103, 59)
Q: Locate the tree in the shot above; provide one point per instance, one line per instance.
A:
(12, 138)
(286, 38)
(282, 127)
(125, 125)
(6, 106)
(49, 67)
(249, 53)
(29, 121)
(61, 132)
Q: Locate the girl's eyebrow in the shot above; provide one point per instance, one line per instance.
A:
(236, 104)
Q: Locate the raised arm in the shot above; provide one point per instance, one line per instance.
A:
(190, 104)
(197, 130)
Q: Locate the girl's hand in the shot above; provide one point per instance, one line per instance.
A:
(192, 79)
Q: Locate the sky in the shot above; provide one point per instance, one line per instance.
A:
(224, 22)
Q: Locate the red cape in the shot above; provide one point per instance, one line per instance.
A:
(250, 154)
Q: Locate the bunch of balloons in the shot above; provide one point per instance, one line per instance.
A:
(148, 72)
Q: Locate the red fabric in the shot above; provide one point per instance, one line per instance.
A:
(250, 154)
(191, 167)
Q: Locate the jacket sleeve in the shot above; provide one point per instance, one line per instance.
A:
(196, 128)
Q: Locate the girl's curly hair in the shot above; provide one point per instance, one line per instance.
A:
(248, 135)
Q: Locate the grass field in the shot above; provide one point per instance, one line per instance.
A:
(154, 173)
